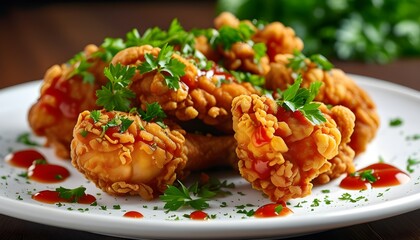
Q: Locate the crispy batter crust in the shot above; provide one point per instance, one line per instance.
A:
(281, 152)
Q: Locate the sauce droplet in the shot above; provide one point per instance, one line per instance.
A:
(373, 176)
(51, 197)
(24, 158)
(133, 214)
(47, 173)
(199, 215)
(272, 210)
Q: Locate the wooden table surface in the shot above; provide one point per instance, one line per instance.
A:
(34, 37)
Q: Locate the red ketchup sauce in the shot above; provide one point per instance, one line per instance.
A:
(272, 210)
(380, 175)
(38, 168)
(66, 105)
(199, 215)
(260, 166)
(51, 197)
(133, 214)
(23, 158)
(47, 173)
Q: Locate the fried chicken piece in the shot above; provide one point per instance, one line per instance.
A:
(337, 89)
(63, 96)
(143, 158)
(203, 95)
(241, 55)
(280, 152)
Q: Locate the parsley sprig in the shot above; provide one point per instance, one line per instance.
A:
(299, 62)
(170, 68)
(81, 67)
(116, 95)
(295, 98)
(365, 175)
(195, 196)
(117, 121)
(410, 163)
(71, 194)
(153, 112)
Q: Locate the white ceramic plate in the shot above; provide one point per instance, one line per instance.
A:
(391, 144)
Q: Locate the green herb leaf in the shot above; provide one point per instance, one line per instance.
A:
(170, 68)
(395, 122)
(260, 50)
(24, 138)
(81, 67)
(195, 196)
(368, 175)
(300, 62)
(278, 208)
(410, 163)
(175, 198)
(321, 61)
(109, 48)
(116, 95)
(71, 194)
(95, 115)
(153, 112)
(295, 98)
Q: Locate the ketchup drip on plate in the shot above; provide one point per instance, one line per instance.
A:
(51, 197)
(199, 215)
(133, 214)
(272, 210)
(47, 173)
(38, 168)
(373, 176)
(23, 158)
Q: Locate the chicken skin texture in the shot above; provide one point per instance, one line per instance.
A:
(337, 89)
(62, 97)
(201, 95)
(280, 152)
(143, 159)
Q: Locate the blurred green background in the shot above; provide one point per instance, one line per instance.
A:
(377, 31)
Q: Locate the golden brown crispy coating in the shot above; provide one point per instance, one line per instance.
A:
(140, 161)
(343, 161)
(62, 98)
(337, 89)
(278, 39)
(281, 152)
(145, 158)
(201, 95)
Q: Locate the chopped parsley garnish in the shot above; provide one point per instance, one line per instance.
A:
(175, 198)
(278, 208)
(153, 112)
(24, 138)
(295, 98)
(81, 67)
(71, 194)
(413, 137)
(395, 122)
(170, 68)
(366, 175)
(95, 115)
(116, 95)
(109, 48)
(255, 80)
(410, 163)
(195, 196)
(299, 62)
(122, 122)
(227, 35)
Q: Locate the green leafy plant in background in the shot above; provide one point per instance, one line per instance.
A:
(365, 30)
